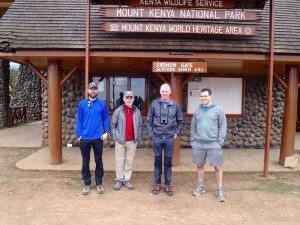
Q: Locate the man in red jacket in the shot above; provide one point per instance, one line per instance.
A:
(126, 131)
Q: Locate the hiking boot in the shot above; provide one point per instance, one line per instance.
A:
(118, 185)
(86, 190)
(100, 189)
(169, 190)
(128, 184)
(220, 195)
(156, 189)
(199, 190)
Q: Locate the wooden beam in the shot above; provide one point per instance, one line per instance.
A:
(40, 75)
(290, 114)
(270, 91)
(55, 111)
(164, 80)
(190, 77)
(176, 87)
(87, 48)
(71, 72)
(280, 81)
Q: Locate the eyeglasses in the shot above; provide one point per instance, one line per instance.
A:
(90, 103)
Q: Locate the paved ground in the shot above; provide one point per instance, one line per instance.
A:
(235, 160)
(24, 135)
(36, 194)
(29, 135)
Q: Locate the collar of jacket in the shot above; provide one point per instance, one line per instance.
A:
(170, 102)
(133, 106)
(210, 106)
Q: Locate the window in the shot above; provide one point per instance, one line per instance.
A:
(101, 81)
(117, 85)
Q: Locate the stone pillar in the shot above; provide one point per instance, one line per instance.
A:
(4, 92)
(27, 92)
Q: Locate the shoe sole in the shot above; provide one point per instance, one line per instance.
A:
(130, 188)
(202, 192)
(155, 192)
(169, 194)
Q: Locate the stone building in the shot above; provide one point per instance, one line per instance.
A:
(234, 40)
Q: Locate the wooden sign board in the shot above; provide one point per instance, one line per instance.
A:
(184, 28)
(179, 67)
(220, 4)
(176, 13)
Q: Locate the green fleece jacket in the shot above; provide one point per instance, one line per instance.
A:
(208, 128)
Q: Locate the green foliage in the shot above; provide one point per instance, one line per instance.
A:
(13, 77)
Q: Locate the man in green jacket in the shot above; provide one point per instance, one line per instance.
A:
(208, 132)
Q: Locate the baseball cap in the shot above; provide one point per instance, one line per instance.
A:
(92, 84)
(128, 94)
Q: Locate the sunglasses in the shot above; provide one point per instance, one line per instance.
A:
(90, 103)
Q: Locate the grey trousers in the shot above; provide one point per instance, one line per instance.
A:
(124, 156)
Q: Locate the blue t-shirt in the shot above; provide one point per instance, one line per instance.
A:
(205, 108)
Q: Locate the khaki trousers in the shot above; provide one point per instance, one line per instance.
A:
(124, 156)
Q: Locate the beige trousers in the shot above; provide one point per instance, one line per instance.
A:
(124, 156)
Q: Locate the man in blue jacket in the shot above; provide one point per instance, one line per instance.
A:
(164, 124)
(92, 127)
(208, 132)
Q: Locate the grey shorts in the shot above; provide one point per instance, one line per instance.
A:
(215, 156)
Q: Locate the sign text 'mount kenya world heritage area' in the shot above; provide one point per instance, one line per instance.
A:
(179, 28)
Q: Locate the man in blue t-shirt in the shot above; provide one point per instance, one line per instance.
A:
(92, 127)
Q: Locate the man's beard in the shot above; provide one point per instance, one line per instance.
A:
(92, 95)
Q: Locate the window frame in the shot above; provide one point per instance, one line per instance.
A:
(109, 75)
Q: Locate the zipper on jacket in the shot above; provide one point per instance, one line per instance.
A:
(204, 125)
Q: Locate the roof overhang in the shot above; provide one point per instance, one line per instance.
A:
(241, 63)
(4, 5)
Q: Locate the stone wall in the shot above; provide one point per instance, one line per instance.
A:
(4, 92)
(249, 131)
(27, 92)
(246, 132)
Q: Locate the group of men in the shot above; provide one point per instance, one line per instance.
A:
(164, 124)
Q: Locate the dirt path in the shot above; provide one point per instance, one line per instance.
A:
(49, 197)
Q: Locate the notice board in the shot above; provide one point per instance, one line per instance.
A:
(226, 92)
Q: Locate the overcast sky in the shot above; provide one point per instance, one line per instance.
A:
(14, 65)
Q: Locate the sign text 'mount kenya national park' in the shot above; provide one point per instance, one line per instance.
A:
(175, 13)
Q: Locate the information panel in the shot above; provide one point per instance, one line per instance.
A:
(227, 93)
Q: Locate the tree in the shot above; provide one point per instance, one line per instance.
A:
(13, 77)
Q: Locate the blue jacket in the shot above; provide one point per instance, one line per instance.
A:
(92, 122)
